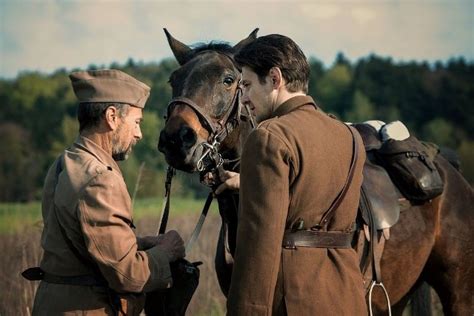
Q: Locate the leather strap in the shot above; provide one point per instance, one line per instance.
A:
(316, 239)
(166, 204)
(216, 130)
(182, 100)
(319, 237)
(37, 274)
(166, 210)
(84, 280)
(200, 223)
(329, 214)
(375, 251)
(219, 130)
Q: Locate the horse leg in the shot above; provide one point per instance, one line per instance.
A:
(398, 308)
(450, 268)
(420, 299)
(223, 261)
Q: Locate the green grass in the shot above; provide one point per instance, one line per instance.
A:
(153, 206)
(15, 217)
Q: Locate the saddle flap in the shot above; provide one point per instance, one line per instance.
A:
(382, 196)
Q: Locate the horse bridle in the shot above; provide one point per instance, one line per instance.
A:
(219, 130)
(217, 134)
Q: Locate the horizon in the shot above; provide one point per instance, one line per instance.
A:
(431, 64)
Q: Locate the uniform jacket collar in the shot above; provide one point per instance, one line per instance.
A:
(292, 104)
(95, 150)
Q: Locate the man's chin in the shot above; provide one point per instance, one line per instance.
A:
(120, 156)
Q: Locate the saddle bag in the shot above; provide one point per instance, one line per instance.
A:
(411, 167)
(175, 300)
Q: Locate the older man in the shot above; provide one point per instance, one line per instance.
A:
(299, 193)
(93, 263)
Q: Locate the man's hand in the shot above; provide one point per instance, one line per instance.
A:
(230, 181)
(173, 244)
(147, 242)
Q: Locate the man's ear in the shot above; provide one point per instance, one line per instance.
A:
(276, 77)
(111, 116)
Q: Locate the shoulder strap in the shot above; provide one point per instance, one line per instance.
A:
(329, 214)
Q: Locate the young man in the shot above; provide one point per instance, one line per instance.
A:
(93, 263)
(293, 167)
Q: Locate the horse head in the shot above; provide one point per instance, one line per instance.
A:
(205, 105)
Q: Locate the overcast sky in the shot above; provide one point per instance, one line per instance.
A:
(47, 35)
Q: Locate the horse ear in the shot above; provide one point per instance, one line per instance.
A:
(252, 36)
(180, 51)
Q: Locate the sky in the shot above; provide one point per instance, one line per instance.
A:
(48, 35)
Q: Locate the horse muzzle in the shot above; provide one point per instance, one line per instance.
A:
(181, 149)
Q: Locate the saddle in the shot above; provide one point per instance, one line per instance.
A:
(379, 209)
(384, 195)
(377, 185)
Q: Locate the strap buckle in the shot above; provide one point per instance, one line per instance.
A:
(289, 244)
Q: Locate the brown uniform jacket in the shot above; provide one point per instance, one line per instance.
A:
(293, 167)
(94, 208)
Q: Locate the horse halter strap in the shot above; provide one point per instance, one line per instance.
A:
(217, 132)
(202, 115)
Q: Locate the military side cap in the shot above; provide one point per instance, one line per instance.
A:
(109, 85)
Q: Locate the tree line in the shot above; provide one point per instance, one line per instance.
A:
(38, 115)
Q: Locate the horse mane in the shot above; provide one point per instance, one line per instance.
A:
(216, 46)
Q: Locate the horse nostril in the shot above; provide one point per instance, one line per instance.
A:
(188, 136)
(181, 140)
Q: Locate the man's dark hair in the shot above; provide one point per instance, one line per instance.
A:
(276, 51)
(89, 114)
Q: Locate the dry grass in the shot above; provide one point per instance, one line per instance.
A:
(22, 250)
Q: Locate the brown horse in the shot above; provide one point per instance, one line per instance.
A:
(432, 242)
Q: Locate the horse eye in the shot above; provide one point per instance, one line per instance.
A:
(228, 81)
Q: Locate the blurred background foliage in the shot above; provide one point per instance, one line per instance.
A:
(38, 115)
